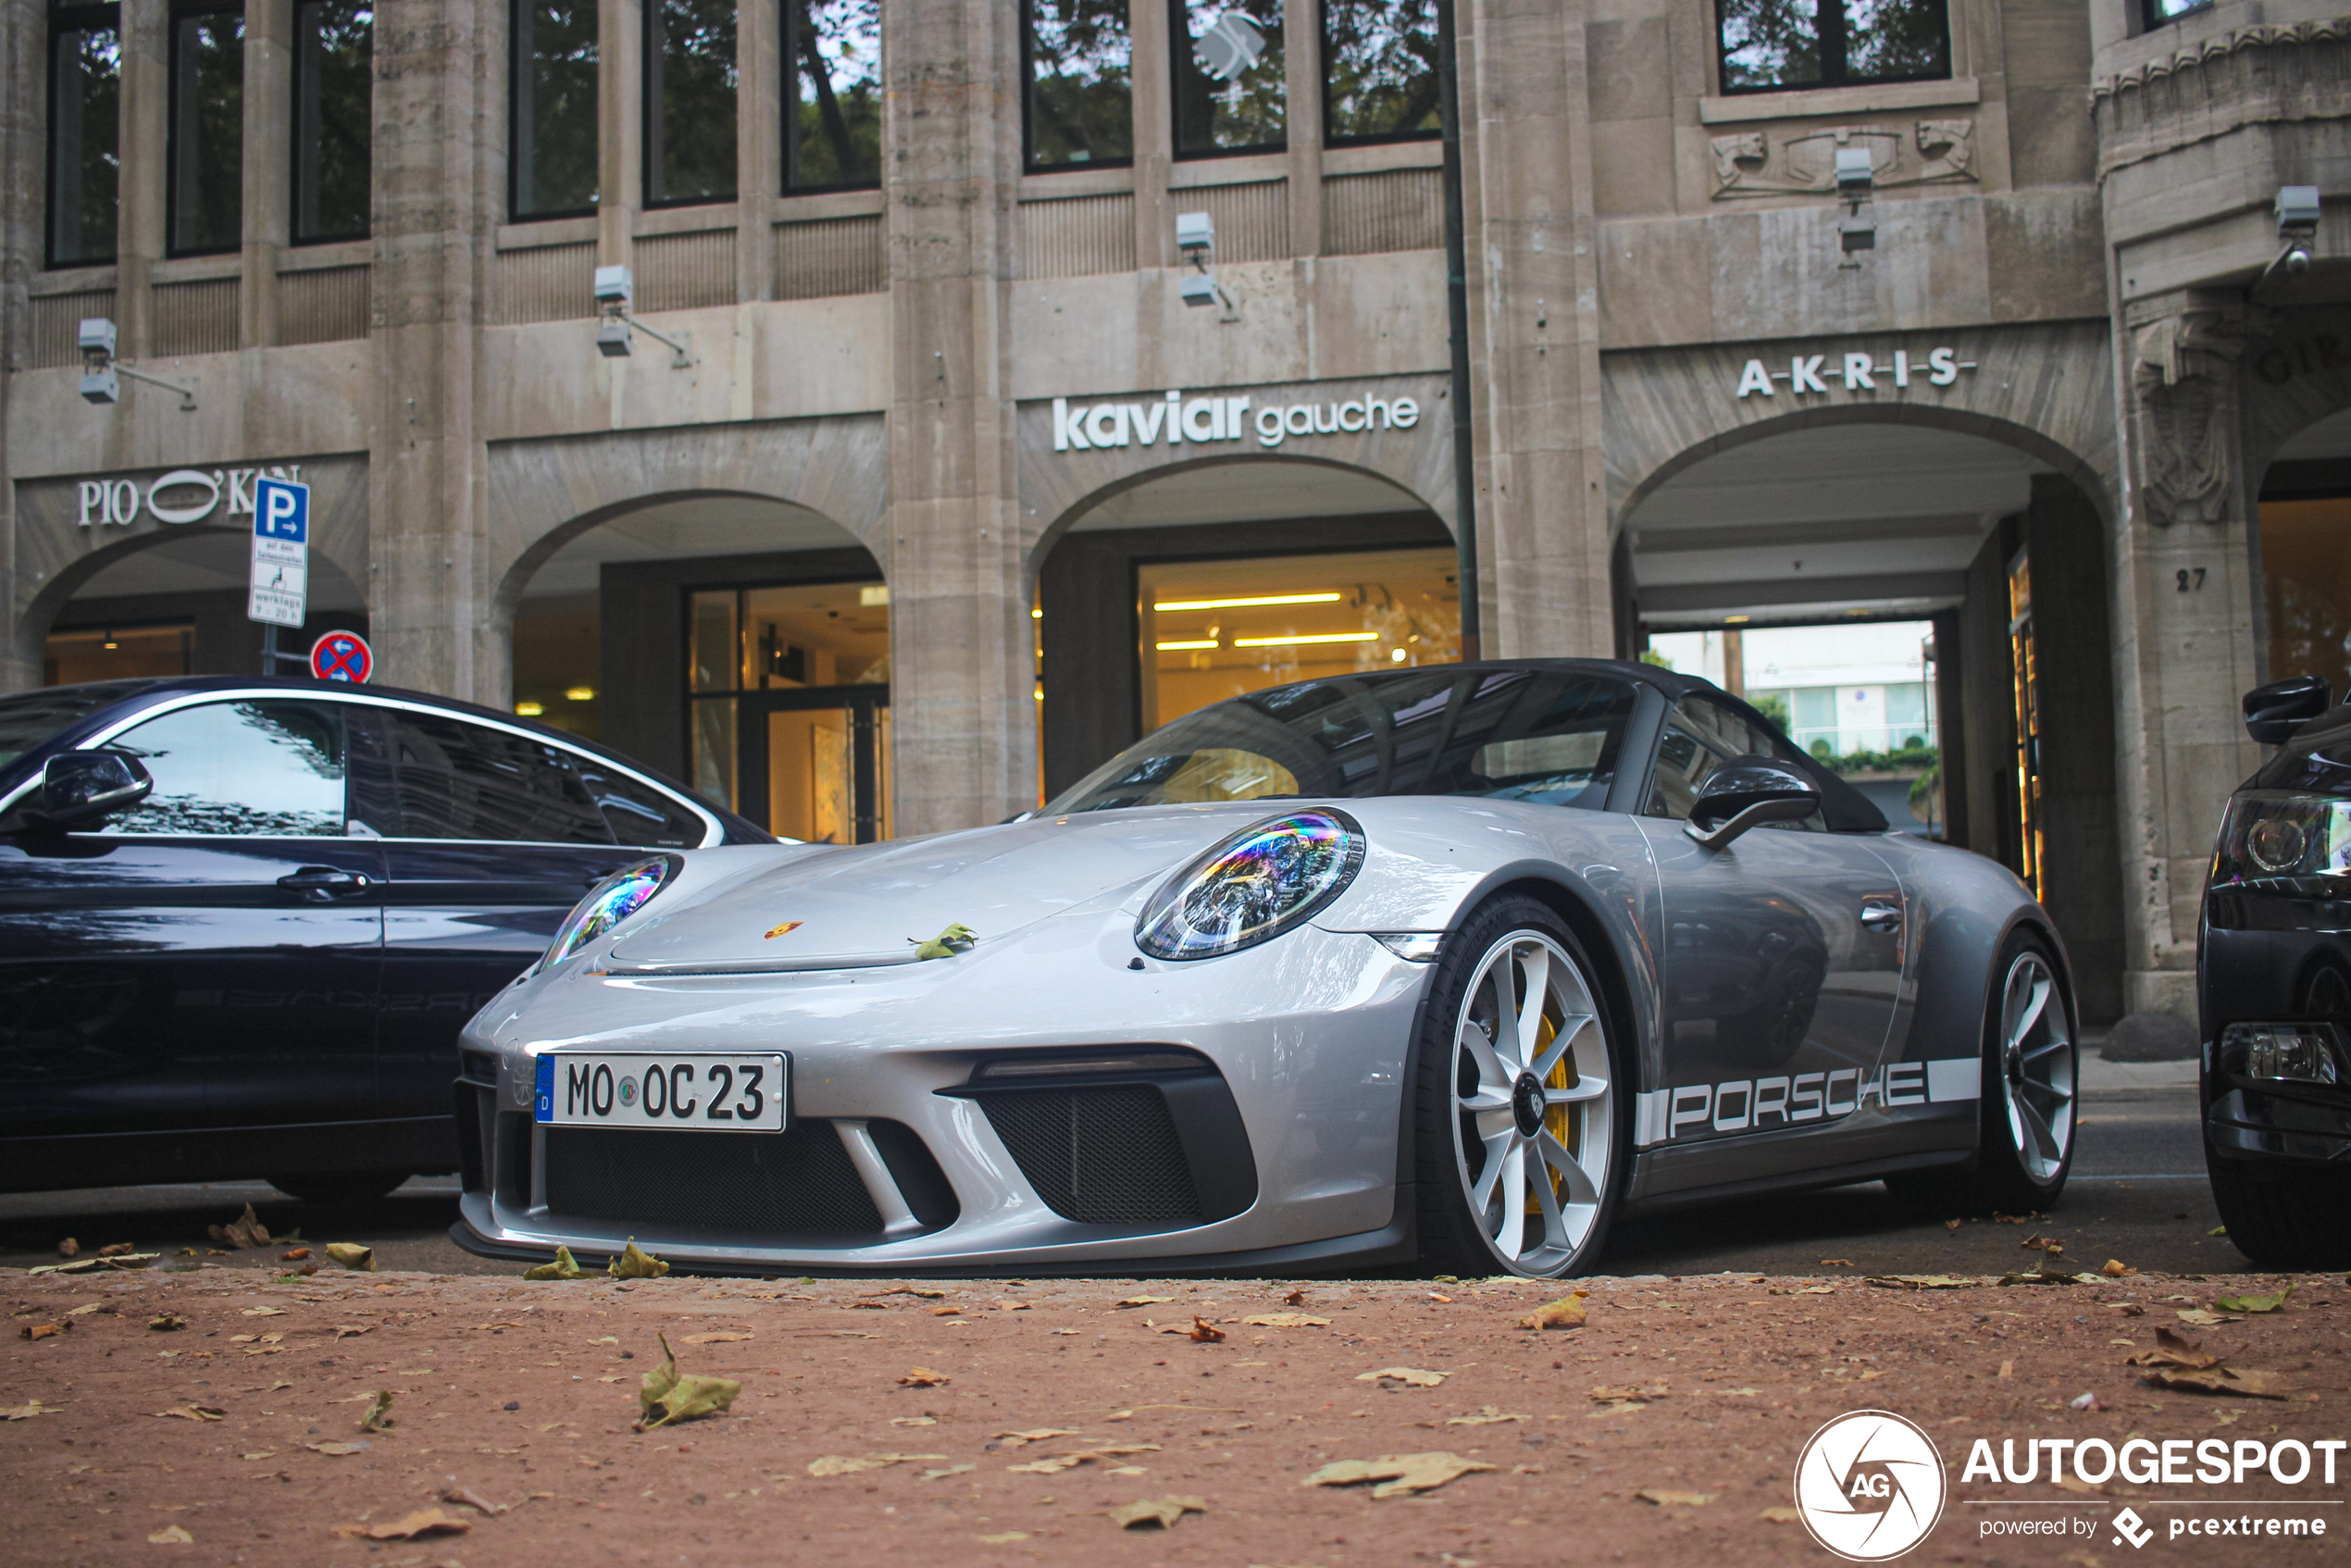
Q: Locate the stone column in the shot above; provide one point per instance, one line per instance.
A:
(436, 65)
(964, 722)
(268, 165)
(2186, 599)
(23, 147)
(146, 142)
(1534, 330)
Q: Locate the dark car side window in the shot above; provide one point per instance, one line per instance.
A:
(636, 814)
(255, 769)
(457, 780)
(1700, 737)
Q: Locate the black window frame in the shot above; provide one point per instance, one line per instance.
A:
(1028, 163)
(651, 96)
(789, 42)
(1323, 12)
(1833, 46)
(518, 139)
(77, 20)
(305, 139)
(181, 11)
(1179, 47)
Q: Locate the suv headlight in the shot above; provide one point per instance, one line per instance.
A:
(1254, 886)
(608, 904)
(2279, 839)
(2294, 1053)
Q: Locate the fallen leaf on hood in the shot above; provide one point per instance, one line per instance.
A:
(1664, 1499)
(424, 1521)
(194, 1412)
(40, 1331)
(1396, 1472)
(171, 1535)
(166, 1323)
(922, 1377)
(1565, 1313)
(2203, 1319)
(1034, 1435)
(1782, 1513)
(2174, 1349)
(827, 1465)
(564, 1268)
(2117, 1269)
(378, 1415)
(1287, 1320)
(1161, 1512)
(1614, 1391)
(636, 1264)
(2253, 1303)
(1486, 1416)
(1141, 1302)
(1412, 1376)
(727, 1337)
(25, 1413)
(1920, 1281)
(673, 1397)
(351, 1255)
(957, 937)
(245, 1230)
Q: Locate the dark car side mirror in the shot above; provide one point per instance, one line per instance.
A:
(2275, 711)
(83, 788)
(1746, 792)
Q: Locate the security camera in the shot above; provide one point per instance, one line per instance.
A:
(97, 340)
(1197, 288)
(2297, 209)
(1195, 236)
(1854, 175)
(614, 287)
(1856, 233)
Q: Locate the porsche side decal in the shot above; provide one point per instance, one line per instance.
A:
(1752, 1104)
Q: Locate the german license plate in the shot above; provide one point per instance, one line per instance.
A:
(680, 1094)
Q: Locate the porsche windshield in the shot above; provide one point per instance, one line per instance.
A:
(1546, 736)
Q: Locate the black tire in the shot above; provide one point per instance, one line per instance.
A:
(2291, 1218)
(338, 1187)
(2009, 1175)
(1581, 1103)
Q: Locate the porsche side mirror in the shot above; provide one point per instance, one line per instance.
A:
(1746, 792)
(2275, 711)
(83, 788)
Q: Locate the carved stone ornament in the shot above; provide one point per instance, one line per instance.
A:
(2183, 390)
(1754, 163)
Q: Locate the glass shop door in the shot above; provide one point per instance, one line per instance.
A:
(813, 764)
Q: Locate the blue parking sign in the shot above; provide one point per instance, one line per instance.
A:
(281, 511)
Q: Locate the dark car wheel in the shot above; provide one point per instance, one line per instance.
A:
(1522, 1136)
(2296, 1219)
(338, 1187)
(2031, 1070)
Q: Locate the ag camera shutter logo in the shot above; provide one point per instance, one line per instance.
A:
(1869, 1486)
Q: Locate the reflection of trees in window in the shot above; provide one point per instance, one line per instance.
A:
(689, 101)
(207, 188)
(249, 769)
(1768, 44)
(1229, 77)
(1081, 94)
(832, 124)
(1379, 70)
(553, 158)
(86, 96)
(333, 100)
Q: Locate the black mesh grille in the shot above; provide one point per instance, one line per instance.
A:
(1106, 1156)
(794, 1183)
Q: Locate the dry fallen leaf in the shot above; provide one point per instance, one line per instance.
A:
(1920, 1281)
(261, 1311)
(2203, 1319)
(674, 1397)
(2008, 1370)
(194, 1412)
(472, 1499)
(1613, 1391)
(171, 1535)
(336, 1450)
(1142, 1301)
(1003, 1537)
(2253, 1303)
(1836, 1263)
(25, 1412)
(2117, 1269)
(922, 1377)
(1034, 1435)
(1202, 1331)
(1397, 1473)
(724, 1338)
(1565, 1313)
(1053, 1464)
(1287, 1320)
(564, 1266)
(166, 1323)
(1782, 1513)
(1161, 1512)
(378, 1415)
(2220, 1380)
(1664, 1499)
(1486, 1416)
(245, 1230)
(826, 1465)
(424, 1521)
(634, 1262)
(1412, 1376)
(1296, 1297)
(42, 1331)
(950, 1470)
(2174, 1349)
(358, 1258)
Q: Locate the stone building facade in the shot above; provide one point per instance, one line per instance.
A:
(925, 389)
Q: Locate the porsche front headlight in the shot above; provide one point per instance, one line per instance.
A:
(2280, 840)
(608, 904)
(1254, 886)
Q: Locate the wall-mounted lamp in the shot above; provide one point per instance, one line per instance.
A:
(1856, 181)
(100, 367)
(615, 290)
(1196, 244)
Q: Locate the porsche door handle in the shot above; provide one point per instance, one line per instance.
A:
(319, 884)
(1881, 917)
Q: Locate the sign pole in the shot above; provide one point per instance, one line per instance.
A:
(277, 588)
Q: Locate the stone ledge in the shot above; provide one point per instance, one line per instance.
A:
(2217, 47)
(1811, 102)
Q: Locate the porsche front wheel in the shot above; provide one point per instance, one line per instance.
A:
(1522, 1140)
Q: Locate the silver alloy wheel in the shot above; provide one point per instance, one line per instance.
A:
(2037, 1067)
(1534, 1105)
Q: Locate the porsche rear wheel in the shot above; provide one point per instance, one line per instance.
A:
(1521, 1135)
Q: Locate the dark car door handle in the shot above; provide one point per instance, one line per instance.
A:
(1881, 917)
(319, 884)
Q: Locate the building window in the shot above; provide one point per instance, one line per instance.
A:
(832, 124)
(1081, 87)
(1231, 83)
(207, 184)
(2159, 12)
(333, 97)
(85, 98)
(690, 102)
(552, 164)
(1380, 71)
(1770, 45)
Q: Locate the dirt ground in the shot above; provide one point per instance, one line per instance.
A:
(242, 1429)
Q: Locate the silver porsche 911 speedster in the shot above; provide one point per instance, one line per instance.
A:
(1461, 963)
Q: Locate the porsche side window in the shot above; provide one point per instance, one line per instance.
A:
(459, 780)
(263, 769)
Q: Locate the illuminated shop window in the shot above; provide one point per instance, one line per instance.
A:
(1213, 629)
(1230, 87)
(85, 107)
(2161, 11)
(119, 653)
(208, 180)
(832, 122)
(690, 102)
(551, 160)
(2306, 585)
(1379, 71)
(1770, 45)
(1081, 91)
(333, 101)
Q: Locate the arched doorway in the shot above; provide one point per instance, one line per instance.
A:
(738, 642)
(1200, 582)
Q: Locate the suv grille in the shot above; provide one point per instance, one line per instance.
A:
(1104, 1156)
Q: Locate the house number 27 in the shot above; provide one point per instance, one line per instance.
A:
(2191, 578)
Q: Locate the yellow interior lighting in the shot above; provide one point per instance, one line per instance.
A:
(1177, 647)
(530, 710)
(1246, 603)
(580, 695)
(1316, 637)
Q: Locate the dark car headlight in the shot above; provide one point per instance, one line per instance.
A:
(2282, 840)
(608, 904)
(1254, 886)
